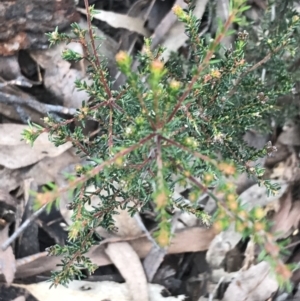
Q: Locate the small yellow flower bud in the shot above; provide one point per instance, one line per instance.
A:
(174, 84)
(228, 169)
(258, 227)
(187, 173)
(193, 197)
(157, 66)
(122, 57)
(240, 226)
(54, 35)
(215, 73)
(163, 238)
(233, 205)
(119, 161)
(231, 198)
(208, 178)
(243, 214)
(177, 10)
(161, 200)
(218, 227)
(258, 213)
(78, 168)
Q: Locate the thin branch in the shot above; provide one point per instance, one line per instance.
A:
(159, 162)
(205, 62)
(110, 131)
(194, 180)
(196, 154)
(89, 21)
(78, 144)
(254, 67)
(48, 197)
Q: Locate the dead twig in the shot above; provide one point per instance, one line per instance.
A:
(22, 228)
(31, 102)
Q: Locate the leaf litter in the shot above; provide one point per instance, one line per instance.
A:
(176, 269)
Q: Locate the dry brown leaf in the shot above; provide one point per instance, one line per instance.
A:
(165, 25)
(176, 36)
(7, 258)
(20, 298)
(129, 265)
(287, 218)
(257, 195)
(45, 171)
(153, 261)
(221, 14)
(91, 291)
(187, 240)
(221, 245)
(36, 264)
(50, 169)
(116, 20)
(283, 151)
(16, 154)
(290, 134)
(255, 284)
(287, 170)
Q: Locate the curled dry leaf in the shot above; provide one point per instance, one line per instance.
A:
(7, 258)
(48, 169)
(116, 20)
(10, 178)
(290, 134)
(287, 218)
(10, 68)
(287, 170)
(91, 291)
(165, 25)
(129, 265)
(59, 75)
(176, 36)
(36, 264)
(255, 284)
(153, 261)
(220, 246)
(283, 151)
(16, 154)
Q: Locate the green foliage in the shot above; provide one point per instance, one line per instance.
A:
(185, 117)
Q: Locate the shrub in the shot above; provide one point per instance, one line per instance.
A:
(184, 118)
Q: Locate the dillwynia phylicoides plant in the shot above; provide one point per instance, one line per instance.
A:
(185, 117)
